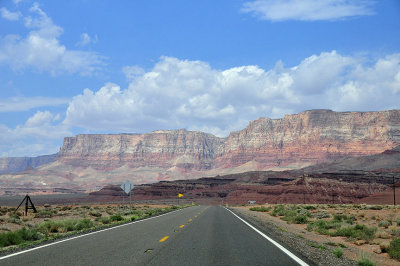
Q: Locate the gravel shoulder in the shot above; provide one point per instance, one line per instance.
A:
(302, 243)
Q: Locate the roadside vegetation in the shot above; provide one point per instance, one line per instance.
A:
(359, 224)
(51, 222)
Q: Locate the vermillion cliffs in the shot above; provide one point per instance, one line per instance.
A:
(291, 142)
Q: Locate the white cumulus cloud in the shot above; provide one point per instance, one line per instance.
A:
(191, 94)
(41, 134)
(308, 10)
(42, 50)
(9, 15)
(86, 39)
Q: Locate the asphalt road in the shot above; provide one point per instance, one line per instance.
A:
(199, 235)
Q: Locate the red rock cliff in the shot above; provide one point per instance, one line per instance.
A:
(293, 141)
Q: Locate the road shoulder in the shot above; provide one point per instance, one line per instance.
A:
(295, 242)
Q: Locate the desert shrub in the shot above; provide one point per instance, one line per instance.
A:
(396, 232)
(365, 262)
(116, 218)
(357, 231)
(385, 223)
(291, 213)
(135, 217)
(260, 209)
(300, 219)
(394, 249)
(14, 220)
(65, 208)
(322, 247)
(321, 215)
(154, 211)
(103, 220)
(310, 207)
(46, 213)
(279, 210)
(95, 213)
(17, 237)
(338, 252)
(344, 218)
(83, 224)
(375, 207)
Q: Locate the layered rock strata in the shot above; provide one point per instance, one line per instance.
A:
(294, 141)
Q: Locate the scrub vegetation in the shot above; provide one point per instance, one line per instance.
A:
(376, 226)
(51, 222)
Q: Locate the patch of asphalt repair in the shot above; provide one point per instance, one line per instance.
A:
(301, 247)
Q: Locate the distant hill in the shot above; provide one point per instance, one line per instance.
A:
(17, 164)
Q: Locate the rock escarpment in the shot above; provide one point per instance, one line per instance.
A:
(291, 142)
(295, 141)
(161, 149)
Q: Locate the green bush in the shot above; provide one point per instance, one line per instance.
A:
(300, 219)
(338, 252)
(46, 213)
(260, 209)
(17, 237)
(83, 224)
(385, 223)
(103, 220)
(394, 249)
(375, 207)
(116, 218)
(357, 231)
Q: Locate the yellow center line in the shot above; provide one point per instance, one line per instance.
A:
(181, 226)
(164, 238)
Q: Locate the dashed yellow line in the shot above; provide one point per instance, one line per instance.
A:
(181, 226)
(164, 238)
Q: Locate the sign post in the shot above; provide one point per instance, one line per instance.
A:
(127, 188)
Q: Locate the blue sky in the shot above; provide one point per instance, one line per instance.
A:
(90, 66)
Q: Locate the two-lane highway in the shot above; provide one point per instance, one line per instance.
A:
(199, 235)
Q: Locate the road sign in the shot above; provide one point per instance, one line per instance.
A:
(127, 187)
(180, 195)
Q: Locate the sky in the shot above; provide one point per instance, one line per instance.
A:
(95, 66)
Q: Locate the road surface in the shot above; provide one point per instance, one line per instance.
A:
(199, 235)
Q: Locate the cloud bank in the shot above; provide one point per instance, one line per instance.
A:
(41, 49)
(191, 94)
(308, 10)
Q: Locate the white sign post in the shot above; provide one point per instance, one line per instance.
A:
(127, 188)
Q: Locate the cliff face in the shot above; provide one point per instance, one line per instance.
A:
(16, 164)
(292, 142)
(312, 137)
(161, 149)
(296, 140)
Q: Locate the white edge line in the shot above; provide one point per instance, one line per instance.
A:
(75, 237)
(290, 254)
